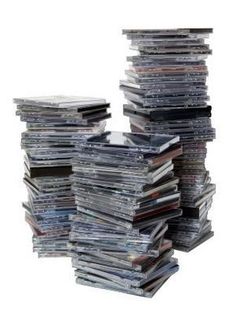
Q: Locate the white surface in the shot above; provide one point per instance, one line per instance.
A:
(76, 48)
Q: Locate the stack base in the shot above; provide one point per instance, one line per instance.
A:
(201, 240)
(149, 294)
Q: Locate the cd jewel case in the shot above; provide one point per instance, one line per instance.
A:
(55, 124)
(166, 92)
(125, 191)
(119, 203)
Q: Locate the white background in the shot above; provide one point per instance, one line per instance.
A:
(76, 48)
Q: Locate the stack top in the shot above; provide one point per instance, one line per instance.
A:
(55, 124)
(142, 142)
(59, 110)
(169, 31)
(60, 101)
(168, 43)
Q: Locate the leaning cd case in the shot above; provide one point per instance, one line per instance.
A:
(54, 126)
(125, 192)
(166, 92)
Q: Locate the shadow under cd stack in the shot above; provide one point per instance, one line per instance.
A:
(167, 93)
(54, 125)
(125, 191)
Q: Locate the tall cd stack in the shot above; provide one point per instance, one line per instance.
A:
(167, 93)
(125, 191)
(54, 124)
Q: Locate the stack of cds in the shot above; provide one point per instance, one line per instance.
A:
(167, 93)
(125, 191)
(54, 125)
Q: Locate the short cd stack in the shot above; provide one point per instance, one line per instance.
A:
(54, 124)
(166, 93)
(125, 191)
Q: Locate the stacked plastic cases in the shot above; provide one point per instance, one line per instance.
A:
(167, 93)
(54, 125)
(125, 191)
